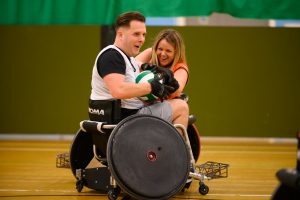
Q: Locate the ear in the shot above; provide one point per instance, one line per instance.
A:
(120, 34)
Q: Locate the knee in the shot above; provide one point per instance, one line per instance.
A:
(184, 106)
(180, 106)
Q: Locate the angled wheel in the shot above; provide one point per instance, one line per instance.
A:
(141, 157)
(194, 137)
(81, 152)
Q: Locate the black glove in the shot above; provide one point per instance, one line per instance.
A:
(148, 66)
(158, 89)
(172, 86)
(165, 73)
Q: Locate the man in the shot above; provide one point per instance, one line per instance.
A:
(115, 70)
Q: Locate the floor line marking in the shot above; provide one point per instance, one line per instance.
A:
(74, 191)
(31, 149)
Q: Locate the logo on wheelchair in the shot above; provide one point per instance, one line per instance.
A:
(96, 111)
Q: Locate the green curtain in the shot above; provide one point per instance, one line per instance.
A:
(49, 12)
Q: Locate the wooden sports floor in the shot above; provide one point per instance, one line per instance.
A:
(28, 170)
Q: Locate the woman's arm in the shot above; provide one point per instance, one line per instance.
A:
(144, 56)
(181, 76)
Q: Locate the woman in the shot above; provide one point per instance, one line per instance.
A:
(168, 51)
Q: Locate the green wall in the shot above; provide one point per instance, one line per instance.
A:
(244, 80)
(45, 77)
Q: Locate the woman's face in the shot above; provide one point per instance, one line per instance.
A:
(165, 53)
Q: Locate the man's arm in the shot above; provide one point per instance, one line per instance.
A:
(120, 89)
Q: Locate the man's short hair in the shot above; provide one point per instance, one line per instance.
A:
(124, 19)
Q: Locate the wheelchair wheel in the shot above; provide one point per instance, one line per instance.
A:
(194, 137)
(148, 157)
(81, 152)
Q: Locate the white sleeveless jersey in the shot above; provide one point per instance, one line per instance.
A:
(100, 90)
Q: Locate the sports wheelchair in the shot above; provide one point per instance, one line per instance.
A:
(142, 155)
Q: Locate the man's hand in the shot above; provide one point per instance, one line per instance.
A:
(172, 86)
(148, 66)
(158, 89)
(165, 73)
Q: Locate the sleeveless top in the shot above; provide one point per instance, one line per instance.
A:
(180, 66)
(99, 88)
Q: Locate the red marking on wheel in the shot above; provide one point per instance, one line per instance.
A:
(151, 156)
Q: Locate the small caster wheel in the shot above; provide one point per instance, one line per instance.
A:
(113, 193)
(203, 189)
(79, 185)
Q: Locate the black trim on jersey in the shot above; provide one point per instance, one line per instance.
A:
(128, 59)
(111, 61)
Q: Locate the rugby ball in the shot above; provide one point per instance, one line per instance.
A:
(143, 77)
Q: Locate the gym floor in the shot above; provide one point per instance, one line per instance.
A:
(28, 169)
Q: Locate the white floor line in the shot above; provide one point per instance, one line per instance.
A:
(33, 149)
(74, 191)
(36, 190)
(20, 136)
(69, 137)
(241, 195)
(271, 140)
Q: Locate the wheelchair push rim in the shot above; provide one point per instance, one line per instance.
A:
(148, 157)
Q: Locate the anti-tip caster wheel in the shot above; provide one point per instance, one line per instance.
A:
(79, 185)
(113, 193)
(203, 189)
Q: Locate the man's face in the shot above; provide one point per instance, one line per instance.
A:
(133, 37)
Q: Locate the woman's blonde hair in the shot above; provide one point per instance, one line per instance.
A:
(175, 39)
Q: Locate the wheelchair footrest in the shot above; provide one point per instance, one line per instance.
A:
(95, 178)
(213, 170)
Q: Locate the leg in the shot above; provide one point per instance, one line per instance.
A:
(175, 111)
(180, 112)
